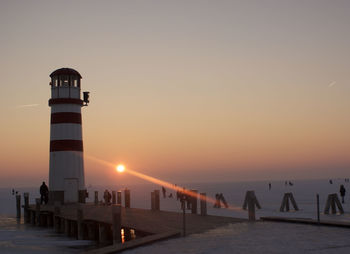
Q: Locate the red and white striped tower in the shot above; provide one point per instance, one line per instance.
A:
(66, 177)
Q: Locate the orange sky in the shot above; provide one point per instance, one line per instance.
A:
(184, 91)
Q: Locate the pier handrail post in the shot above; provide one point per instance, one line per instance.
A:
(203, 202)
(194, 201)
(157, 200)
(26, 207)
(116, 223)
(183, 205)
(18, 206)
(37, 211)
(127, 198)
(119, 198)
(96, 198)
(114, 197)
(318, 208)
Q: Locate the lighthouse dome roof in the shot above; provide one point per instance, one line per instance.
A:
(65, 71)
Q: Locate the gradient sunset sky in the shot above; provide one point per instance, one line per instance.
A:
(181, 90)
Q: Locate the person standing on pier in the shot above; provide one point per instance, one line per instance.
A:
(342, 193)
(44, 193)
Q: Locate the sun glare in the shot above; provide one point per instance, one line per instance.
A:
(120, 168)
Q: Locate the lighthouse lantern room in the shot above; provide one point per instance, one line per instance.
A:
(66, 174)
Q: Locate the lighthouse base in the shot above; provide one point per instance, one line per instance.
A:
(58, 196)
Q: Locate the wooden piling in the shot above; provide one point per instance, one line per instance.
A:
(37, 211)
(116, 223)
(80, 225)
(251, 201)
(194, 201)
(56, 219)
(119, 198)
(127, 198)
(318, 208)
(203, 203)
(26, 207)
(104, 231)
(114, 197)
(67, 229)
(153, 201)
(96, 198)
(332, 202)
(18, 206)
(157, 200)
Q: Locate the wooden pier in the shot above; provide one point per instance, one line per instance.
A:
(108, 225)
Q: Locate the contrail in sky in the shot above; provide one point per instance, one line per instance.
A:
(332, 84)
(27, 105)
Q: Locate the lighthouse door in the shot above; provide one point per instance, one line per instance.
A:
(70, 190)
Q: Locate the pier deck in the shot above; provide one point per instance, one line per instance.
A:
(157, 225)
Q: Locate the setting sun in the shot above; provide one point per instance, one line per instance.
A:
(120, 168)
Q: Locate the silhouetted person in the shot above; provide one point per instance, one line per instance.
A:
(44, 193)
(285, 183)
(171, 195)
(217, 202)
(269, 186)
(330, 181)
(342, 193)
(107, 197)
(164, 192)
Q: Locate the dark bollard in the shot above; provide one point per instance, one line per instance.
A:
(114, 197)
(119, 198)
(203, 202)
(96, 198)
(127, 198)
(37, 211)
(18, 206)
(26, 207)
(116, 223)
(194, 198)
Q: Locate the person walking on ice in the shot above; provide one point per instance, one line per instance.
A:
(342, 193)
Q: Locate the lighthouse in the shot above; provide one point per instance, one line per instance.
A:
(66, 173)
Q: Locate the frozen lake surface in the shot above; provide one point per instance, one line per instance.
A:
(267, 237)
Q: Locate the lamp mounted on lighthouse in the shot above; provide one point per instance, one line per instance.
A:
(66, 174)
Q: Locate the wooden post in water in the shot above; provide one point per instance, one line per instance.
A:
(285, 202)
(332, 202)
(203, 202)
(194, 201)
(26, 207)
(18, 206)
(116, 223)
(127, 198)
(96, 198)
(114, 197)
(251, 201)
(37, 211)
(119, 198)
